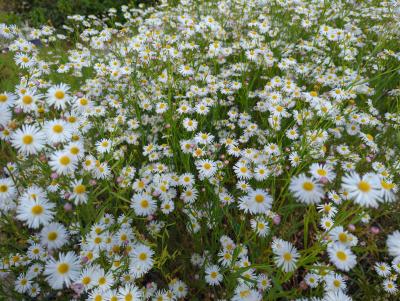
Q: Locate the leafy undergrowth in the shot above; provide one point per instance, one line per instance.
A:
(203, 150)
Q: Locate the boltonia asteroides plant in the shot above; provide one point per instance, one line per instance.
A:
(203, 150)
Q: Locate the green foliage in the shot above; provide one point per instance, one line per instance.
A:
(9, 17)
(55, 12)
(8, 72)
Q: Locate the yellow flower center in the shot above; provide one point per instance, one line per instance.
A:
(37, 210)
(63, 268)
(287, 256)
(86, 280)
(143, 256)
(259, 198)
(144, 203)
(27, 139)
(117, 263)
(341, 255)
(128, 297)
(65, 160)
(80, 189)
(3, 188)
(15, 258)
(3, 98)
(322, 172)
(58, 128)
(207, 166)
(336, 283)
(364, 186)
(71, 119)
(27, 99)
(343, 237)
(102, 280)
(59, 94)
(74, 150)
(52, 236)
(384, 184)
(308, 186)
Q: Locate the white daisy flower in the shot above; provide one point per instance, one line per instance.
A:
(28, 101)
(185, 70)
(23, 283)
(29, 140)
(343, 237)
(206, 168)
(63, 162)
(257, 201)
(213, 276)
(129, 292)
(390, 286)
(312, 280)
(142, 257)
(65, 270)
(53, 236)
(365, 191)
(143, 204)
(7, 100)
(306, 190)
(382, 269)
(103, 146)
(321, 172)
(7, 189)
(393, 244)
(341, 257)
(57, 131)
(58, 97)
(79, 193)
(334, 282)
(336, 296)
(286, 255)
(35, 211)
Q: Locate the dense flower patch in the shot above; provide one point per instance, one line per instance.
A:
(208, 150)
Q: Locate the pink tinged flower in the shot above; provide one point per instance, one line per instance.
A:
(276, 219)
(68, 207)
(374, 230)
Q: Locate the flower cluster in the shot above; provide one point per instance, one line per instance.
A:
(216, 150)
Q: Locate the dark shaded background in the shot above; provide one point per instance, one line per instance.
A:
(55, 12)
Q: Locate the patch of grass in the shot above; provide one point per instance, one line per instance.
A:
(9, 72)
